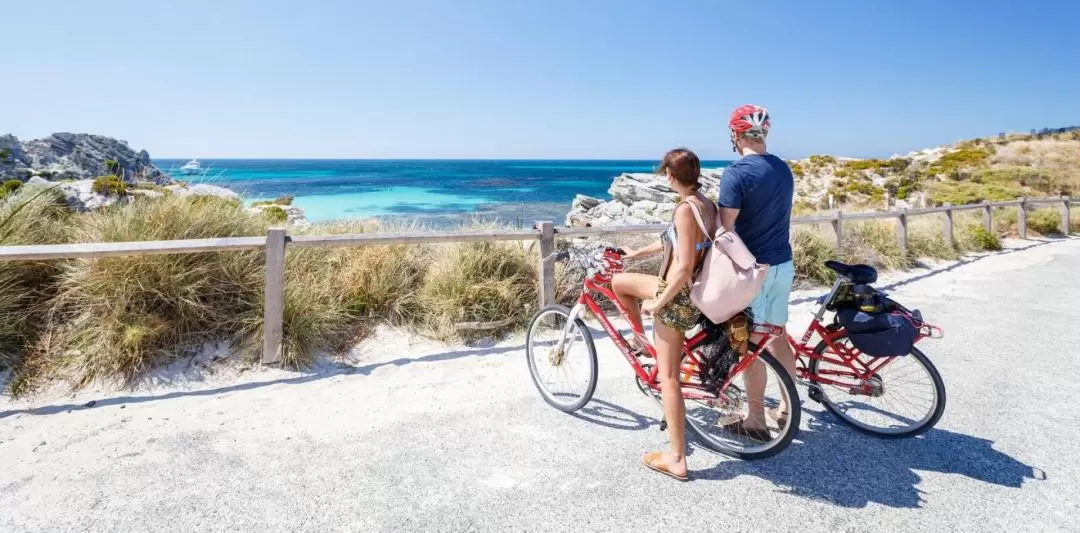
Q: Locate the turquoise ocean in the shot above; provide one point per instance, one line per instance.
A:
(437, 192)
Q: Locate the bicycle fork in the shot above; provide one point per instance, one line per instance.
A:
(559, 353)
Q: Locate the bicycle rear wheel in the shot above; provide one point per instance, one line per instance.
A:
(907, 395)
(707, 418)
(566, 373)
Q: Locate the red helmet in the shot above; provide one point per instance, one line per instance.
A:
(750, 121)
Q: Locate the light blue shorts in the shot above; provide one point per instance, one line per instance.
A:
(771, 303)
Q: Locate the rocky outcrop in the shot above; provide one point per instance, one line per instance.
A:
(80, 195)
(636, 198)
(75, 156)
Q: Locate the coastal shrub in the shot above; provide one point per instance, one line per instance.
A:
(975, 237)
(1045, 221)
(281, 200)
(873, 243)
(5, 155)
(275, 214)
(112, 166)
(969, 192)
(109, 186)
(965, 157)
(926, 239)
(479, 282)
(117, 316)
(810, 249)
(12, 185)
(33, 215)
(797, 169)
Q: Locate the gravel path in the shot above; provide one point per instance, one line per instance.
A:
(423, 437)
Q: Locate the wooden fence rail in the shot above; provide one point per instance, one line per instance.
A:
(276, 241)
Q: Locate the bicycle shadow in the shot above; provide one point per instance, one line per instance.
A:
(613, 416)
(833, 463)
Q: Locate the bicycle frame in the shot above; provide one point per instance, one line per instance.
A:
(837, 353)
(691, 390)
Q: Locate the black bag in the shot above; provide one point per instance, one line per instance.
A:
(718, 355)
(888, 333)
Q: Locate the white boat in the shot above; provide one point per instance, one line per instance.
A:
(191, 167)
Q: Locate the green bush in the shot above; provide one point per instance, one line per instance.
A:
(980, 239)
(1045, 222)
(112, 166)
(109, 186)
(12, 185)
(965, 157)
(275, 214)
(5, 155)
(797, 169)
(969, 192)
(281, 200)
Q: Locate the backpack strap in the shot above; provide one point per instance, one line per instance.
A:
(701, 223)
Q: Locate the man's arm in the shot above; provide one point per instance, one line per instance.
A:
(727, 217)
(730, 199)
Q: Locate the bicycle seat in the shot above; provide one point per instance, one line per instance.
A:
(861, 274)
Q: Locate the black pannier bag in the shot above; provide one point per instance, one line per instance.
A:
(886, 329)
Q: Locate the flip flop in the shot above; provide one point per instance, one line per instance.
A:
(652, 460)
(779, 416)
(758, 434)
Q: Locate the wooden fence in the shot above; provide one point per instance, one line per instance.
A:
(276, 241)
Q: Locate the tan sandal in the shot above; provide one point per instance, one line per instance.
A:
(758, 434)
(654, 462)
(779, 416)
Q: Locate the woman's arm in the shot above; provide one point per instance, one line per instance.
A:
(683, 268)
(651, 249)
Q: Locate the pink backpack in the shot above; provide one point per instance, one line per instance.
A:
(729, 276)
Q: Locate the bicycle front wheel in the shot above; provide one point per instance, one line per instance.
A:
(904, 398)
(562, 358)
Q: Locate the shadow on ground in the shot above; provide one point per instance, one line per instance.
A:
(303, 377)
(832, 463)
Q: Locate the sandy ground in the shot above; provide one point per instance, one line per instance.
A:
(414, 435)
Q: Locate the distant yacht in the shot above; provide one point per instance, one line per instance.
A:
(191, 167)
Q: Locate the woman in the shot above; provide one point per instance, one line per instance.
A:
(667, 297)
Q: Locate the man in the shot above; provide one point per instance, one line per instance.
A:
(755, 199)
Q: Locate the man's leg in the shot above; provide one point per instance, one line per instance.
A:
(778, 316)
(754, 377)
(770, 306)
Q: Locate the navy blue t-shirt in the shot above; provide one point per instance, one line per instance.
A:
(761, 188)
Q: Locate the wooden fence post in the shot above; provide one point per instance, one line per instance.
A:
(274, 303)
(901, 230)
(1021, 219)
(950, 237)
(1065, 227)
(837, 226)
(988, 217)
(547, 268)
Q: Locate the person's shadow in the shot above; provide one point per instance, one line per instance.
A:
(834, 463)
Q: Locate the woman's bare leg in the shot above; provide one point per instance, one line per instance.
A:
(669, 344)
(631, 289)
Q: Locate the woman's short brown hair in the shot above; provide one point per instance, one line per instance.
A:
(684, 165)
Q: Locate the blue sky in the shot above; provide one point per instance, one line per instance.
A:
(533, 78)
